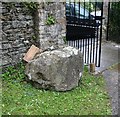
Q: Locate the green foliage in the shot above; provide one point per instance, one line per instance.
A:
(20, 98)
(114, 26)
(64, 39)
(14, 73)
(34, 37)
(50, 20)
(88, 5)
(32, 6)
(85, 68)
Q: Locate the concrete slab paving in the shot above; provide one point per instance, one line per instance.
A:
(109, 57)
(111, 78)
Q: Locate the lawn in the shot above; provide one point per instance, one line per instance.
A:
(21, 98)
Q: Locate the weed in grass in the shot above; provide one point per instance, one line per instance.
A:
(89, 98)
(14, 73)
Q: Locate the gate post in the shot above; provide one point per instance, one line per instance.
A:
(52, 24)
(105, 15)
(92, 67)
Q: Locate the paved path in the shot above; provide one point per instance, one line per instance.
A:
(110, 58)
(111, 77)
(109, 55)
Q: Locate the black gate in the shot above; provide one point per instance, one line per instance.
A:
(84, 29)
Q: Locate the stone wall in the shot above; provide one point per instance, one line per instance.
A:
(17, 32)
(21, 29)
(105, 20)
(52, 35)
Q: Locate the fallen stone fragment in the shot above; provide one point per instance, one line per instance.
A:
(31, 53)
(59, 69)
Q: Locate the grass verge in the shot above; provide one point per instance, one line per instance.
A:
(21, 98)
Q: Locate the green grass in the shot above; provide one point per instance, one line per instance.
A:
(0, 94)
(21, 98)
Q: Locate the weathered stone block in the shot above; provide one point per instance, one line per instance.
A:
(59, 69)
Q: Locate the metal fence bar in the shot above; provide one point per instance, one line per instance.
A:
(90, 46)
(96, 56)
(88, 38)
(100, 36)
(94, 38)
(85, 40)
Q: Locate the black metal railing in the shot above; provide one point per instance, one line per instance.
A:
(84, 29)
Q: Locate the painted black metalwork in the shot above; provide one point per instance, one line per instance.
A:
(84, 29)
